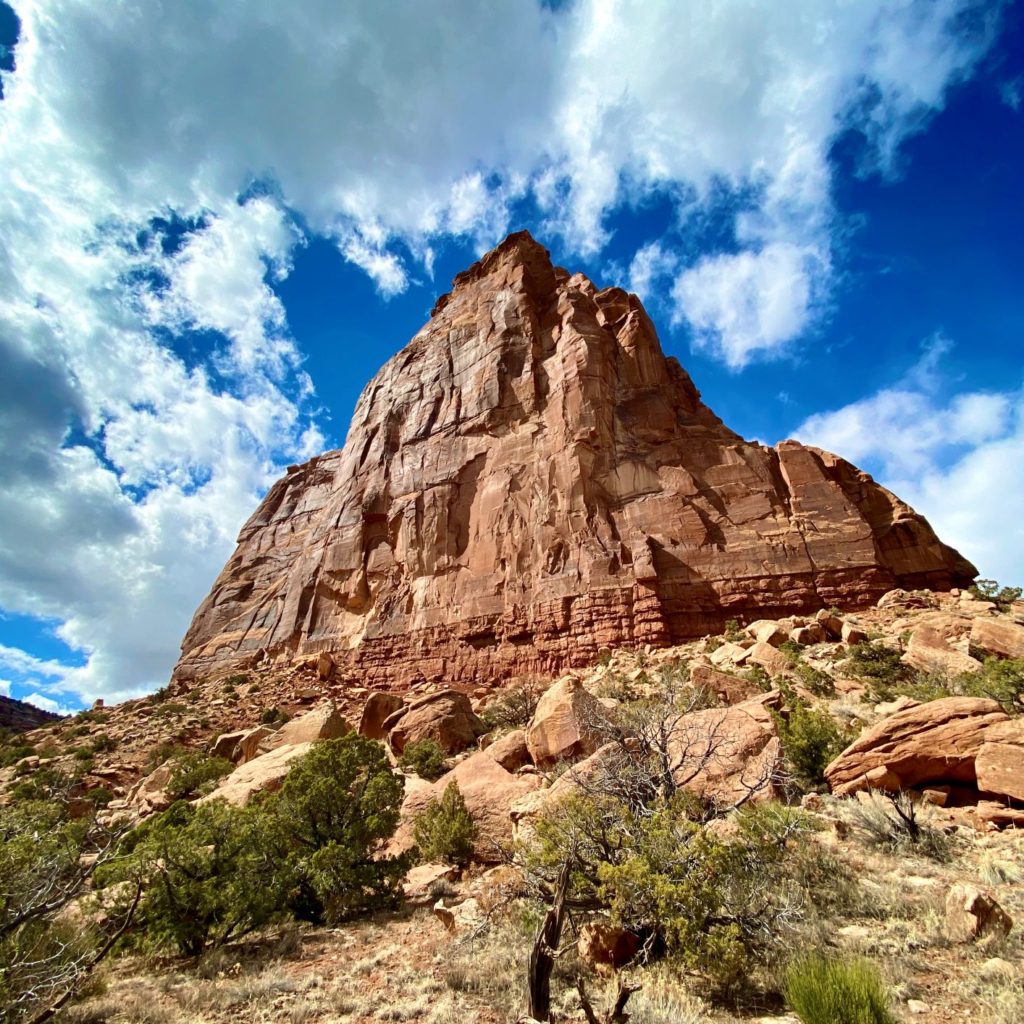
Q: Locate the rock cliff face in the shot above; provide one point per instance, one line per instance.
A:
(529, 480)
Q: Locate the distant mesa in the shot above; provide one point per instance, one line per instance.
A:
(531, 480)
(17, 716)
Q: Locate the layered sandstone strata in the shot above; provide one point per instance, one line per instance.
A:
(529, 480)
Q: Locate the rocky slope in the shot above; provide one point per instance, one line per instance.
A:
(17, 716)
(529, 480)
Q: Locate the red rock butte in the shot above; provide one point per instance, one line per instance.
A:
(531, 479)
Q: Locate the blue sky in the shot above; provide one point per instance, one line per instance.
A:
(216, 227)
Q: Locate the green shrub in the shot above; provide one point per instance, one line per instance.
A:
(732, 630)
(193, 774)
(425, 758)
(445, 830)
(823, 990)
(810, 740)
(513, 707)
(1001, 681)
(273, 717)
(13, 751)
(707, 899)
(879, 667)
(821, 684)
(338, 806)
(990, 590)
(211, 873)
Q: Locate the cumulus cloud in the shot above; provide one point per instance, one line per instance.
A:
(156, 183)
(956, 459)
(5, 687)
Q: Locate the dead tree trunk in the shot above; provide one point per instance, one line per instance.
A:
(545, 947)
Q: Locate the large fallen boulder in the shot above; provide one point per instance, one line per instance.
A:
(321, 723)
(266, 772)
(972, 914)
(446, 717)
(729, 754)
(488, 791)
(565, 724)
(997, 637)
(936, 742)
(930, 651)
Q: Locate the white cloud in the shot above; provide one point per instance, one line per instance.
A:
(751, 303)
(48, 704)
(957, 461)
(5, 687)
(651, 264)
(128, 462)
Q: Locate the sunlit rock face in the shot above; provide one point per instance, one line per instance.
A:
(531, 479)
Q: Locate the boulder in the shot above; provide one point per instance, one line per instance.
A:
(150, 794)
(972, 914)
(446, 717)
(240, 746)
(728, 689)
(605, 947)
(322, 723)
(773, 661)
(226, 744)
(929, 651)
(814, 633)
(510, 750)
(767, 631)
(1000, 766)
(488, 791)
(853, 635)
(325, 666)
(379, 707)
(265, 772)
(727, 754)
(933, 742)
(565, 724)
(997, 637)
(728, 655)
(250, 743)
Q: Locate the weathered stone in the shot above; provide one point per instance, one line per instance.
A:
(729, 754)
(767, 631)
(266, 772)
(852, 634)
(325, 666)
(150, 794)
(972, 914)
(808, 635)
(997, 637)
(729, 655)
(226, 744)
(379, 707)
(531, 480)
(929, 651)
(511, 750)
(564, 726)
(728, 689)
(938, 741)
(773, 661)
(1000, 766)
(250, 743)
(322, 723)
(446, 717)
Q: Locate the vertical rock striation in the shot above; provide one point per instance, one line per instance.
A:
(531, 479)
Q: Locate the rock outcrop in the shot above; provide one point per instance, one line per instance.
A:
(965, 741)
(530, 480)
